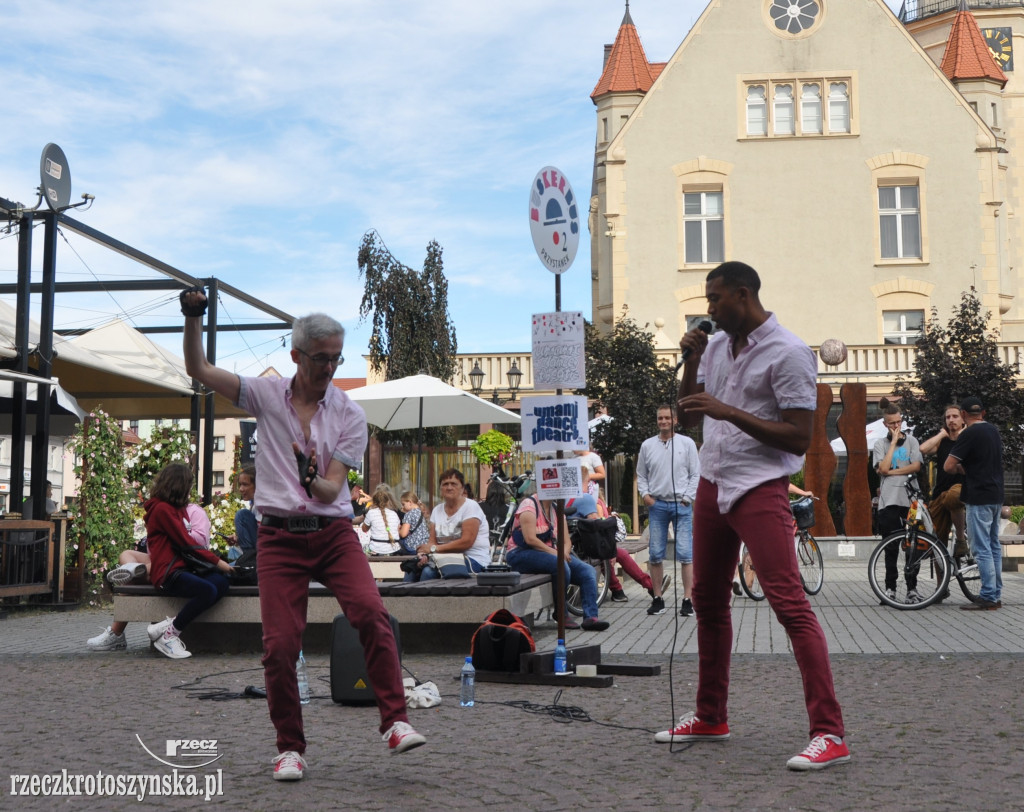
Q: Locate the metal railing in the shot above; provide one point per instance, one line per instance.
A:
(919, 9)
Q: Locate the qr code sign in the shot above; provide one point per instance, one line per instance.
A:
(570, 478)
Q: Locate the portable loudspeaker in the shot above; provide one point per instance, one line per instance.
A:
(350, 684)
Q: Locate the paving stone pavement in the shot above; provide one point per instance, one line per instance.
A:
(932, 701)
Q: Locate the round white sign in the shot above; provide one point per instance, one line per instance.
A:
(554, 220)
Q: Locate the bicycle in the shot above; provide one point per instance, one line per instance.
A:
(928, 563)
(808, 555)
(603, 573)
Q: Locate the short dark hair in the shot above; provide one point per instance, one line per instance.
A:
(737, 275)
(892, 408)
(173, 484)
(449, 473)
(668, 406)
(249, 471)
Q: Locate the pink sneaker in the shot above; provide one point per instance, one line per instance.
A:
(692, 729)
(401, 737)
(822, 752)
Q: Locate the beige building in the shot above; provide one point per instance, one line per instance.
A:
(867, 176)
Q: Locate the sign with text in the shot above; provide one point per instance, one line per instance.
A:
(554, 220)
(555, 423)
(558, 479)
(559, 361)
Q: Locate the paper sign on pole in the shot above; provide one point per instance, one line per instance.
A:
(558, 479)
(559, 361)
(555, 423)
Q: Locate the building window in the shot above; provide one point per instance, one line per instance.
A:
(757, 111)
(838, 107)
(794, 16)
(604, 129)
(134, 425)
(783, 110)
(703, 227)
(218, 444)
(810, 109)
(995, 116)
(218, 479)
(899, 222)
(902, 326)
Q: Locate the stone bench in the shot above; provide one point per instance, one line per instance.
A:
(436, 616)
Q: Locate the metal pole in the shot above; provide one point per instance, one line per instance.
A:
(41, 436)
(19, 411)
(560, 510)
(211, 356)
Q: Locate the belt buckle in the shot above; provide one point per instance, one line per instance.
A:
(302, 524)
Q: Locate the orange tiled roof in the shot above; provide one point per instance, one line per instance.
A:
(627, 69)
(967, 56)
(345, 384)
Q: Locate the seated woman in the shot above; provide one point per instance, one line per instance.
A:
(165, 537)
(382, 523)
(133, 568)
(414, 530)
(457, 525)
(531, 549)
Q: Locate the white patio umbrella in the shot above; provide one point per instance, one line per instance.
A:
(874, 431)
(422, 401)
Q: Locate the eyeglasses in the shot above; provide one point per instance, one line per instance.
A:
(322, 359)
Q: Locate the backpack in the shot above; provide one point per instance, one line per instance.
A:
(499, 641)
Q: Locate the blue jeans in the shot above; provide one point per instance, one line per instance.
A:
(983, 533)
(660, 515)
(576, 572)
(204, 592)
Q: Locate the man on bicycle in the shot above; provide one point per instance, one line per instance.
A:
(754, 385)
(896, 456)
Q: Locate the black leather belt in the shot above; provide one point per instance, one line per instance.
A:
(299, 524)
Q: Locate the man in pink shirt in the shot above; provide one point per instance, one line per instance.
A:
(311, 434)
(753, 383)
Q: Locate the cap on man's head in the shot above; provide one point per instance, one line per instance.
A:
(972, 405)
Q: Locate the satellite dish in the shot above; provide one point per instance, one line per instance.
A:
(55, 177)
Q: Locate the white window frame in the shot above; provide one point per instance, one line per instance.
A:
(898, 216)
(757, 109)
(838, 107)
(902, 334)
(828, 112)
(704, 217)
(783, 110)
(219, 444)
(811, 122)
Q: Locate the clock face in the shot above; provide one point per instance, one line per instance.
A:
(1000, 43)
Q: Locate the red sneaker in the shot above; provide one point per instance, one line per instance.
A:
(289, 766)
(822, 752)
(401, 737)
(692, 729)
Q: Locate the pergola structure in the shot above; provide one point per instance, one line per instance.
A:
(123, 396)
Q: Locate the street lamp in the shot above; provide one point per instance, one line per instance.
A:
(476, 383)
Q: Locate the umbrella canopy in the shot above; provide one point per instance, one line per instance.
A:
(422, 401)
(65, 413)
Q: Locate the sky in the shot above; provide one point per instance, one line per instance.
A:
(256, 141)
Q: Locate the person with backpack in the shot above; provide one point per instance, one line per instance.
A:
(531, 549)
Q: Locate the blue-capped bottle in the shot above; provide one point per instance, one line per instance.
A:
(467, 694)
(303, 679)
(561, 666)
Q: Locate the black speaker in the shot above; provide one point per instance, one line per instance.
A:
(350, 684)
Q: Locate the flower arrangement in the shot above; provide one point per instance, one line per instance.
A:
(222, 520)
(492, 447)
(101, 520)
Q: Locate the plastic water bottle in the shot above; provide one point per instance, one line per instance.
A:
(303, 679)
(560, 657)
(468, 692)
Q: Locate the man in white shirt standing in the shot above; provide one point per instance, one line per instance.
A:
(667, 473)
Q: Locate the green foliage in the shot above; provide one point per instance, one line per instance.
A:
(164, 446)
(1016, 513)
(492, 447)
(354, 478)
(954, 362)
(222, 520)
(412, 331)
(101, 521)
(625, 378)
(627, 520)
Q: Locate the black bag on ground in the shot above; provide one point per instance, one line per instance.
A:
(499, 641)
(595, 538)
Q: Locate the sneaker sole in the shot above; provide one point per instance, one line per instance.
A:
(658, 612)
(809, 766)
(170, 654)
(114, 647)
(667, 738)
(288, 776)
(410, 742)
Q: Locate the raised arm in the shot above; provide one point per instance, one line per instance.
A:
(219, 380)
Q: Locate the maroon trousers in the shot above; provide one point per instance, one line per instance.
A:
(763, 520)
(334, 557)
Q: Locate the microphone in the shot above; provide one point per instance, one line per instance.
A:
(705, 327)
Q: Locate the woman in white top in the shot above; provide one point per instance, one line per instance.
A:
(457, 525)
(381, 522)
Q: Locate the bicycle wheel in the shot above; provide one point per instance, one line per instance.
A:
(969, 578)
(573, 598)
(748, 576)
(922, 570)
(812, 568)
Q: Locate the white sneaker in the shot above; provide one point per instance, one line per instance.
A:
(912, 596)
(156, 630)
(289, 766)
(125, 574)
(401, 737)
(108, 641)
(171, 646)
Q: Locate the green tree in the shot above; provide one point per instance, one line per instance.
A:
(412, 330)
(956, 361)
(625, 378)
